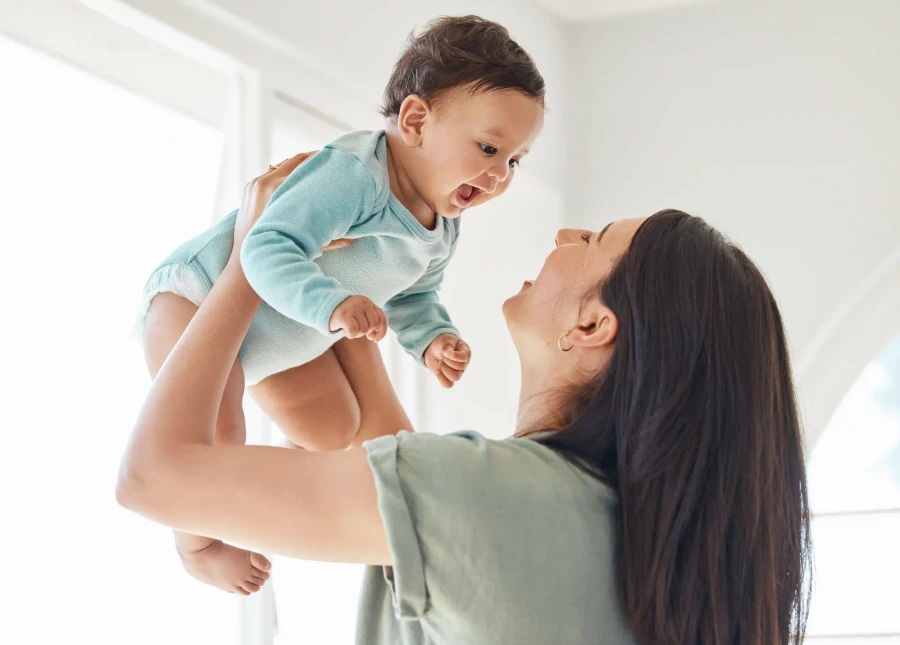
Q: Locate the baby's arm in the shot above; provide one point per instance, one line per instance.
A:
(316, 204)
(417, 316)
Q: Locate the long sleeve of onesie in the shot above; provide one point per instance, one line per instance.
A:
(416, 315)
(316, 204)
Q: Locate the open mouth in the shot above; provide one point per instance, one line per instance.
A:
(467, 194)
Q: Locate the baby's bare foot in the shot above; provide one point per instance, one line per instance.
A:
(227, 567)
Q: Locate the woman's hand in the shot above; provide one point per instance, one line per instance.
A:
(257, 194)
(303, 504)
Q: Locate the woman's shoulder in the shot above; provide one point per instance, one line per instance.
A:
(469, 464)
(509, 520)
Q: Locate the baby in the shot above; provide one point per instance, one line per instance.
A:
(463, 106)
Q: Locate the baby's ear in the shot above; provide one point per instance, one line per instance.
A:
(414, 113)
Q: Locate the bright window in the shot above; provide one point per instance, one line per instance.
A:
(854, 480)
(99, 184)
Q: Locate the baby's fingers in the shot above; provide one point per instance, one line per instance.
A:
(379, 327)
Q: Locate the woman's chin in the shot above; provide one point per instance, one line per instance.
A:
(509, 308)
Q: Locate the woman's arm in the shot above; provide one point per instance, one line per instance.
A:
(317, 506)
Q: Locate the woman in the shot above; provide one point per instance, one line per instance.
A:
(654, 490)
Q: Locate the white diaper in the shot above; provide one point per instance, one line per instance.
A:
(170, 278)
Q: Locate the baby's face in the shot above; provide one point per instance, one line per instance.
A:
(471, 149)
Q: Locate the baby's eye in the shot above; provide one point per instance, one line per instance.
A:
(488, 150)
(586, 237)
(514, 163)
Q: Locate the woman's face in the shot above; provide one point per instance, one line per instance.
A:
(554, 303)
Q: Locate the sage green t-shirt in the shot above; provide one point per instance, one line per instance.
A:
(493, 543)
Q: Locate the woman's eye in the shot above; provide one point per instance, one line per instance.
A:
(586, 237)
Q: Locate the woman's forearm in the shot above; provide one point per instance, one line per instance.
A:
(183, 402)
(320, 506)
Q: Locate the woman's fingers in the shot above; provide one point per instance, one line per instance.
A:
(273, 177)
(290, 164)
(338, 244)
(257, 194)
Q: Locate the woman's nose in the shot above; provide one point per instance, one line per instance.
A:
(565, 236)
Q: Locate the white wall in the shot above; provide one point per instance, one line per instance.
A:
(503, 243)
(776, 121)
(358, 41)
(336, 57)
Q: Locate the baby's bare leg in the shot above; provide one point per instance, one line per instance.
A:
(339, 400)
(380, 410)
(312, 404)
(210, 561)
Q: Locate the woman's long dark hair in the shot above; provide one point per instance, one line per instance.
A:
(694, 423)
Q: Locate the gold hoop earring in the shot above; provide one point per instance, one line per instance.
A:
(560, 340)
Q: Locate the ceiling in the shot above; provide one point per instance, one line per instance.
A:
(578, 10)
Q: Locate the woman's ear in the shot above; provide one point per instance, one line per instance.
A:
(414, 113)
(597, 326)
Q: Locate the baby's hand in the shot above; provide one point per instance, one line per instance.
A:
(447, 357)
(358, 316)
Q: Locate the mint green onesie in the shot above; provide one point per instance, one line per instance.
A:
(341, 192)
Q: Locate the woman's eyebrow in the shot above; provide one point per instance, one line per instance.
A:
(605, 228)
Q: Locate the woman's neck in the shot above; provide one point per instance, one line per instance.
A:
(401, 185)
(537, 409)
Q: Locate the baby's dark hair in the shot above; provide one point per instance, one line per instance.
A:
(457, 51)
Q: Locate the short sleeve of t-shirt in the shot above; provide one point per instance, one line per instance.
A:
(491, 541)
